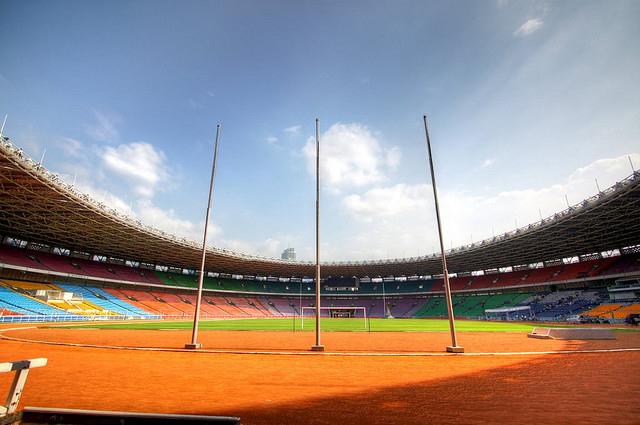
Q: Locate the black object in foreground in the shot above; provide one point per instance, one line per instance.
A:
(51, 416)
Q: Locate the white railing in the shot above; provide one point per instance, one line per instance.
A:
(43, 318)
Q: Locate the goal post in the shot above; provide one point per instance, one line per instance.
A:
(337, 312)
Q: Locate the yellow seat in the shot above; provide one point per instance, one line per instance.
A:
(31, 286)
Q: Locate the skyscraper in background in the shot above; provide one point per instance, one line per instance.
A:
(289, 254)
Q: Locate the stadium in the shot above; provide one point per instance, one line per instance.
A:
(122, 302)
(67, 259)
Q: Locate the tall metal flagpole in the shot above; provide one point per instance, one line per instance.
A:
(454, 347)
(196, 319)
(318, 346)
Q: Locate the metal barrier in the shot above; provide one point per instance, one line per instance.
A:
(41, 318)
(69, 318)
(572, 333)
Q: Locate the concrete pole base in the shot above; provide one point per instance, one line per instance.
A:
(317, 348)
(456, 349)
(195, 346)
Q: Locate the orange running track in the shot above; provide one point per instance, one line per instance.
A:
(319, 389)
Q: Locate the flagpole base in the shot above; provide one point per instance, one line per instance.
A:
(195, 346)
(456, 349)
(319, 348)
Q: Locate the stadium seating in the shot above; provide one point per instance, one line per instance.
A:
(433, 307)
(217, 306)
(559, 305)
(604, 310)
(175, 305)
(266, 304)
(284, 305)
(626, 310)
(24, 304)
(140, 303)
(144, 301)
(404, 307)
(65, 264)
(32, 286)
(105, 300)
(57, 263)
(625, 264)
(70, 306)
(18, 257)
(7, 307)
(470, 306)
(5, 311)
(260, 298)
(175, 279)
(101, 270)
(613, 311)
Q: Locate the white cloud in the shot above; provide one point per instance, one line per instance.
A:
(392, 157)
(488, 162)
(169, 221)
(101, 195)
(138, 162)
(194, 104)
(105, 127)
(400, 221)
(32, 143)
(272, 140)
(71, 147)
(145, 168)
(293, 130)
(146, 211)
(387, 201)
(350, 156)
(270, 247)
(529, 27)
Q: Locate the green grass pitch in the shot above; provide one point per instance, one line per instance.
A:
(327, 324)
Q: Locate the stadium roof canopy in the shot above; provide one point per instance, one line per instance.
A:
(37, 206)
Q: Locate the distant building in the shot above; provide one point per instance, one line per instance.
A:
(289, 254)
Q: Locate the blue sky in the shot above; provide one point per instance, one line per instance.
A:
(528, 101)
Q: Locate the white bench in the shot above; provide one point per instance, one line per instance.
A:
(21, 368)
